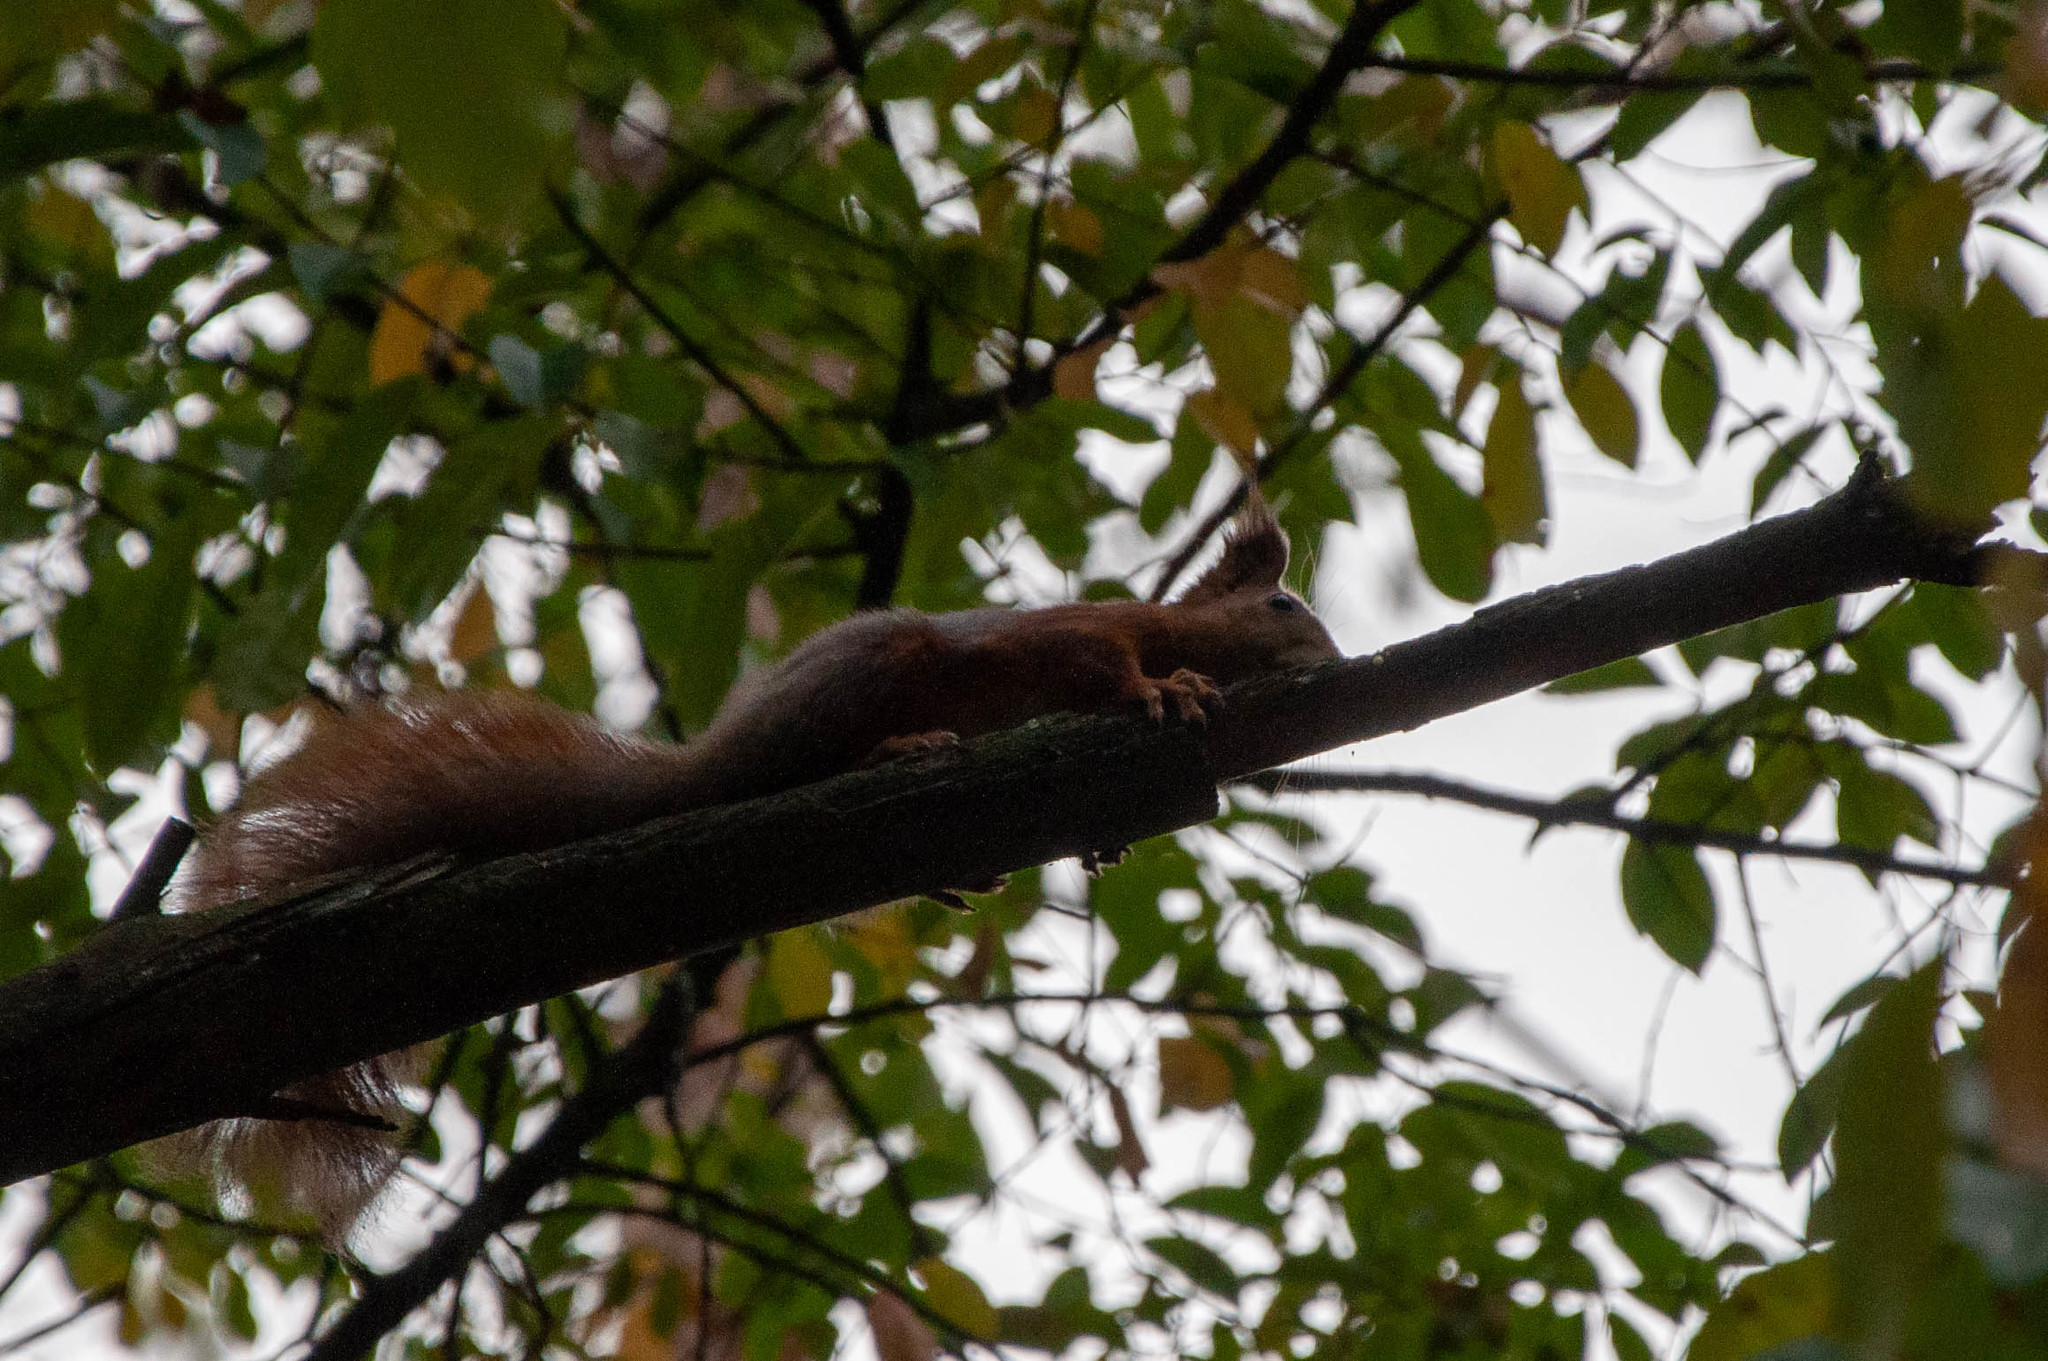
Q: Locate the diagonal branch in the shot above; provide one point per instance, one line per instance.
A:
(122, 1039)
(643, 1066)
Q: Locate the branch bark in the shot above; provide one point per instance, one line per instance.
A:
(160, 1023)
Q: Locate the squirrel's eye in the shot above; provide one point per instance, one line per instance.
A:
(1283, 602)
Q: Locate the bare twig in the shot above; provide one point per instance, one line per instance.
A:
(1585, 813)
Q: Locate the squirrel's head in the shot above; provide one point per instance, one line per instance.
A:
(1273, 624)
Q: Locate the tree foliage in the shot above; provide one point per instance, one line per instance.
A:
(616, 346)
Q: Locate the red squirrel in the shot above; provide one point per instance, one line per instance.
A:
(493, 773)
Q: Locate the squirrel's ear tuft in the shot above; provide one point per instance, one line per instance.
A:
(1254, 556)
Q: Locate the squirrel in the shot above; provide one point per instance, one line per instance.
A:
(485, 774)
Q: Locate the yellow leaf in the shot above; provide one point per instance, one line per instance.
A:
(1542, 188)
(2016, 1035)
(1245, 297)
(1273, 281)
(476, 628)
(1512, 487)
(1413, 108)
(882, 936)
(983, 64)
(799, 974)
(1074, 376)
(1208, 280)
(900, 1335)
(70, 221)
(2026, 58)
(1602, 405)
(1475, 367)
(1244, 269)
(1130, 1149)
(956, 1295)
(1225, 421)
(1075, 224)
(1037, 114)
(1192, 1075)
(434, 299)
(993, 204)
(223, 730)
(1250, 348)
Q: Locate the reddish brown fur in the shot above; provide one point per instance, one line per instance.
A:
(488, 774)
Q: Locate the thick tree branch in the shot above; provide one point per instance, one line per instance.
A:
(1589, 813)
(159, 1023)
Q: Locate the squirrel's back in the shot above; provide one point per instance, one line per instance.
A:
(500, 772)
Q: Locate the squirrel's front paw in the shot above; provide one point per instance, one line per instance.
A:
(1191, 693)
(911, 744)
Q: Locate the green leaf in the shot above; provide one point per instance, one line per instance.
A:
(1625, 673)
(1890, 705)
(1970, 392)
(1673, 1141)
(123, 641)
(1200, 1263)
(1454, 536)
(34, 31)
(1669, 900)
(469, 88)
(1787, 1303)
(1810, 1117)
(440, 532)
(1542, 187)
(537, 378)
(1783, 459)
(1888, 1149)
(325, 270)
(1282, 1111)
(1644, 118)
(1604, 407)
(1251, 349)
(1691, 390)
(1512, 477)
(1959, 625)
(1193, 451)
(238, 148)
(44, 134)
(1874, 808)
(1859, 997)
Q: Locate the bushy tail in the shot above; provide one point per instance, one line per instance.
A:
(301, 1165)
(478, 774)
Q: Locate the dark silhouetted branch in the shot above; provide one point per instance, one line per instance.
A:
(1588, 813)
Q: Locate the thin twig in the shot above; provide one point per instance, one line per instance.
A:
(1580, 813)
(144, 895)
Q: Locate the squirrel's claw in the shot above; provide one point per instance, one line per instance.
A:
(1192, 693)
(911, 744)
